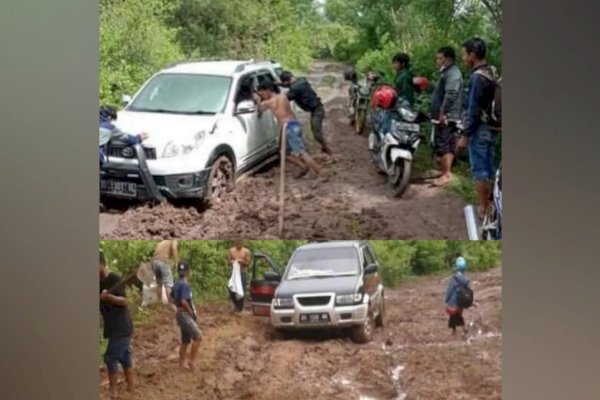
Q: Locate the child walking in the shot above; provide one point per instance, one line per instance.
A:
(453, 308)
(186, 317)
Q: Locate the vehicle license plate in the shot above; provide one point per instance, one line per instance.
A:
(314, 318)
(127, 189)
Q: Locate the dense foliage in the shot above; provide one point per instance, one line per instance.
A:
(399, 259)
(138, 37)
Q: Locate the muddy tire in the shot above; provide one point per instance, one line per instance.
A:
(399, 179)
(221, 179)
(364, 333)
(359, 121)
(379, 321)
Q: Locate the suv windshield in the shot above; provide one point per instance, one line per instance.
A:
(183, 94)
(307, 263)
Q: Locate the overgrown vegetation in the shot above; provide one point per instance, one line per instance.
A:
(138, 37)
(399, 259)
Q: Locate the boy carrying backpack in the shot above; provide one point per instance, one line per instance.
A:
(459, 296)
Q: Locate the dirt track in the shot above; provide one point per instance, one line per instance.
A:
(412, 357)
(353, 201)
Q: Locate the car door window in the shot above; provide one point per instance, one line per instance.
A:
(262, 265)
(245, 89)
(367, 259)
(263, 76)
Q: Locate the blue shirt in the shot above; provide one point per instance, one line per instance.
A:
(452, 285)
(481, 96)
(182, 292)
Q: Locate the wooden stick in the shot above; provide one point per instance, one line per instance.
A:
(282, 179)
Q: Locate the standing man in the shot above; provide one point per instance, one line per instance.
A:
(403, 83)
(452, 308)
(281, 108)
(118, 328)
(243, 256)
(165, 252)
(476, 131)
(303, 94)
(446, 108)
(186, 317)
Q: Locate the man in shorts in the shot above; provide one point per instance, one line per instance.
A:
(307, 99)
(476, 133)
(165, 252)
(118, 328)
(280, 106)
(243, 256)
(446, 108)
(186, 317)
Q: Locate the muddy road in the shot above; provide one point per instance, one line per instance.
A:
(412, 357)
(350, 201)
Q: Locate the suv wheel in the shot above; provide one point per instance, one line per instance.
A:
(279, 334)
(364, 333)
(221, 179)
(381, 314)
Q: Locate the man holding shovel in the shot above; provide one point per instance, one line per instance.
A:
(242, 256)
(118, 327)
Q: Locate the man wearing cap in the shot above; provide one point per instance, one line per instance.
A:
(452, 309)
(186, 317)
(303, 94)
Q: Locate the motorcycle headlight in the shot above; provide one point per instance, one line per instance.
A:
(346, 299)
(408, 115)
(283, 302)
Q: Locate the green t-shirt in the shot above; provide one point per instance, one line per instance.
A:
(404, 85)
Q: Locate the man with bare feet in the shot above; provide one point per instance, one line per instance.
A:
(303, 94)
(118, 328)
(281, 108)
(186, 317)
(446, 108)
(243, 256)
(165, 252)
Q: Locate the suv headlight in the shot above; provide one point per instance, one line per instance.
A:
(346, 299)
(283, 302)
(175, 149)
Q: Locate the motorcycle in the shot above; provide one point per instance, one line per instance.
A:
(359, 98)
(491, 226)
(393, 142)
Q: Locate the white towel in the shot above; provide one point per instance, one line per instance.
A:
(235, 281)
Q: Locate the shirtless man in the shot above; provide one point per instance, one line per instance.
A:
(280, 106)
(165, 252)
(243, 256)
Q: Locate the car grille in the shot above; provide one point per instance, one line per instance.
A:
(116, 150)
(314, 300)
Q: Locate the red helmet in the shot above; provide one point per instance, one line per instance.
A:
(384, 97)
(421, 83)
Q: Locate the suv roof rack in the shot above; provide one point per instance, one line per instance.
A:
(195, 60)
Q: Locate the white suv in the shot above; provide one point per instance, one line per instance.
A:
(204, 131)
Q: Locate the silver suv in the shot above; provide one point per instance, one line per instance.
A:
(329, 285)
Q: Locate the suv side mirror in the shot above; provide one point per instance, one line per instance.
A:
(272, 276)
(245, 107)
(371, 269)
(126, 99)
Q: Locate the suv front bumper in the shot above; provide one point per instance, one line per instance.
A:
(338, 315)
(134, 175)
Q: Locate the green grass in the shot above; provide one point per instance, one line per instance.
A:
(462, 185)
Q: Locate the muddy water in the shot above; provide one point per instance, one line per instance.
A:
(351, 200)
(411, 357)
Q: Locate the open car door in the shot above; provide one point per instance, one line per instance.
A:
(266, 275)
